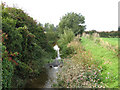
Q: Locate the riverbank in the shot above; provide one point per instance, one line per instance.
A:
(80, 69)
(105, 51)
(85, 68)
(25, 47)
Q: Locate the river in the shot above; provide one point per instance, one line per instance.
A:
(45, 80)
(49, 76)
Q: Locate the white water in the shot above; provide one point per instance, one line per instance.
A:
(55, 67)
(58, 53)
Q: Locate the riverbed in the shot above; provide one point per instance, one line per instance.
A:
(46, 79)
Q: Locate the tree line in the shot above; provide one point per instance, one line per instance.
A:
(106, 34)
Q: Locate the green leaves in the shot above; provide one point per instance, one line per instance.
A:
(7, 69)
(72, 21)
(22, 34)
(66, 38)
(51, 33)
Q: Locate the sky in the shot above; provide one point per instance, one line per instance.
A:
(100, 15)
(119, 14)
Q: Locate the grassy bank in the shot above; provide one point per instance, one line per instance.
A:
(80, 69)
(107, 59)
(91, 65)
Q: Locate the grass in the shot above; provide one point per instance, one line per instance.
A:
(92, 64)
(79, 70)
(112, 41)
(108, 60)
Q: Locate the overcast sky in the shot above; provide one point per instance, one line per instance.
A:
(100, 15)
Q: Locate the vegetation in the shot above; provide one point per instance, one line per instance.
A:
(90, 57)
(66, 38)
(91, 65)
(69, 26)
(25, 47)
(72, 21)
(79, 70)
(108, 61)
(111, 34)
(112, 41)
(51, 33)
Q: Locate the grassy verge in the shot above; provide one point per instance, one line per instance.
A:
(79, 70)
(108, 61)
(93, 63)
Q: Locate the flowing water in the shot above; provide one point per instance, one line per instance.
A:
(48, 77)
(45, 80)
(58, 53)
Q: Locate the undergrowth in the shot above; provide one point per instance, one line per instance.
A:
(80, 69)
(92, 64)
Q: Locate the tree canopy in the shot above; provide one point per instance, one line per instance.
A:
(72, 21)
(51, 33)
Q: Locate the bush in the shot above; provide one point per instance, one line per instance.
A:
(8, 69)
(66, 38)
(66, 51)
(22, 34)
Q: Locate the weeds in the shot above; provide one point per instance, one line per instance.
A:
(107, 59)
(79, 71)
(66, 38)
(93, 64)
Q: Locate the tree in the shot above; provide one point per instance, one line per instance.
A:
(119, 31)
(72, 21)
(51, 33)
(49, 27)
(25, 44)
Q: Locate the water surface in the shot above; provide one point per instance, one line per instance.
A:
(45, 80)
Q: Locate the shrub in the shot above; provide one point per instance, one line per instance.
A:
(22, 34)
(8, 69)
(66, 38)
